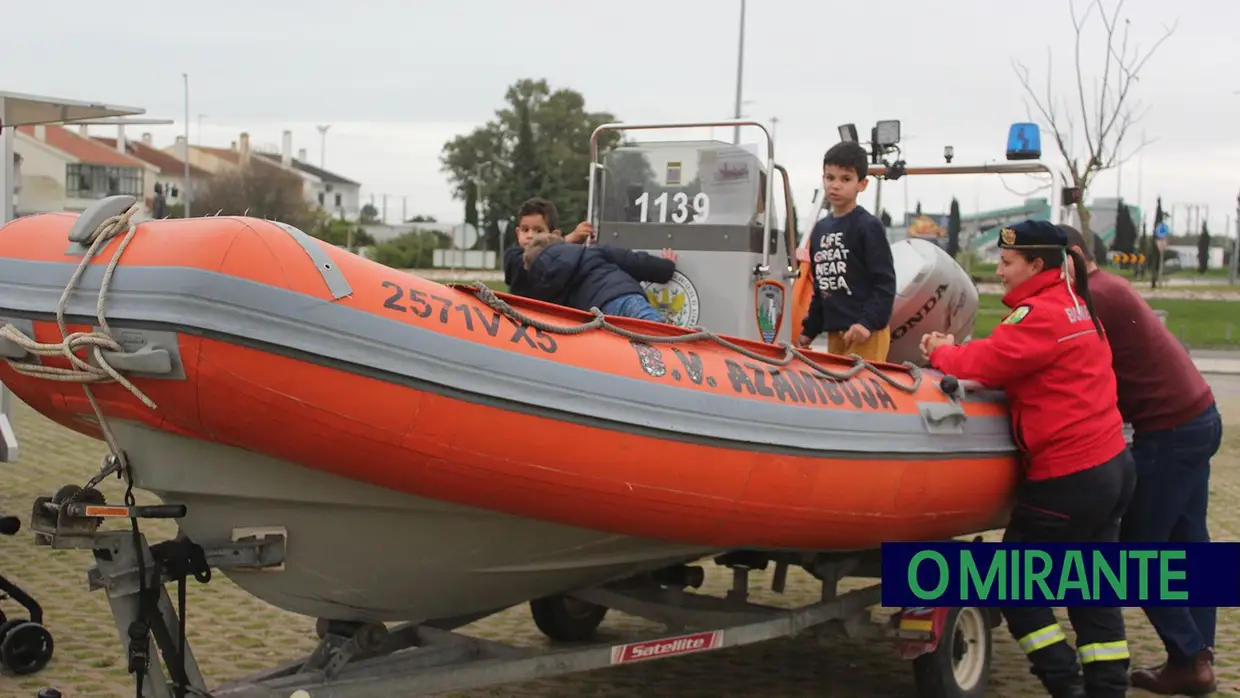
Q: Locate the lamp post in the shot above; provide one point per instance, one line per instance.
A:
(1235, 246)
(740, 76)
(188, 188)
(323, 145)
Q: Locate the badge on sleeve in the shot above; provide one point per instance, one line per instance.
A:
(1016, 315)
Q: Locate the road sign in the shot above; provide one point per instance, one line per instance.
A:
(503, 227)
(464, 236)
(1161, 242)
(1161, 231)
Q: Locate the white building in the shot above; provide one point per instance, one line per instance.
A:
(66, 171)
(339, 196)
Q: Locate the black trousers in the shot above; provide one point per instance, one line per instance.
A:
(1082, 507)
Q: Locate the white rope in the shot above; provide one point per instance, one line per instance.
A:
(95, 342)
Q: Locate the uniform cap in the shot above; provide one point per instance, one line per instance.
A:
(1032, 234)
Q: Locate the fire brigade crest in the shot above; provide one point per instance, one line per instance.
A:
(1008, 236)
(677, 300)
(768, 302)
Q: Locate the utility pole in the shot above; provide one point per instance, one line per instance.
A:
(740, 76)
(323, 145)
(1235, 247)
(188, 188)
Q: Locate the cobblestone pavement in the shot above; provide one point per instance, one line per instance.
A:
(234, 634)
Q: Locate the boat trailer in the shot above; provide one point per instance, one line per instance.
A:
(371, 660)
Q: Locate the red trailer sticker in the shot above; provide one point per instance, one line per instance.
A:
(666, 647)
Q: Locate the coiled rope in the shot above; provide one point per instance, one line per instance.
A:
(791, 353)
(96, 342)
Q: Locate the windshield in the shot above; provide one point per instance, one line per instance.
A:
(682, 182)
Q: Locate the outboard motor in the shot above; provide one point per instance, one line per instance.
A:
(933, 294)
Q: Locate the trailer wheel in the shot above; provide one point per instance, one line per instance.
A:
(960, 666)
(567, 619)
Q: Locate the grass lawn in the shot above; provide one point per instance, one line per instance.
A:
(1199, 323)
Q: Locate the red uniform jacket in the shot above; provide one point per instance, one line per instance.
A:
(1056, 370)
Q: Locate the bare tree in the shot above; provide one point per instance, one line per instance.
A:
(1114, 110)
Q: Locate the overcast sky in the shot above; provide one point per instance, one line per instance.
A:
(397, 79)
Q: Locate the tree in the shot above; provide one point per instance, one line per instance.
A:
(258, 190)
(1203, 249)
(953, 229)
(471, 203)
(413, 250)
(1113, 112)
(342, 233)
(369, 215)
(1125, 229)
(538, 144)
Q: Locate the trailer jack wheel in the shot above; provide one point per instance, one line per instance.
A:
(960, 666)
(566, 619)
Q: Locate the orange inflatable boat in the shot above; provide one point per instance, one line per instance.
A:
(292, 383)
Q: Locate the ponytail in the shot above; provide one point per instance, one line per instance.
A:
(1082, 284)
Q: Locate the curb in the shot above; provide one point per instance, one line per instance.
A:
(1225, 367)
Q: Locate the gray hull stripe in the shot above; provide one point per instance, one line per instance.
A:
(226, 305)
(332, 276)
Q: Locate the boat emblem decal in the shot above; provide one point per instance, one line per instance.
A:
(676, 300)
(650, 357)
(768, 304)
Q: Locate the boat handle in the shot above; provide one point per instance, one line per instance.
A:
(156, 362)
(11, 350)
(943, 417)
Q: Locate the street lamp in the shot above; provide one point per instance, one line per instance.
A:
(323, 145)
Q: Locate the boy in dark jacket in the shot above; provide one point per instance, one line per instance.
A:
(536, 216)
(854, 278)
(599, 276)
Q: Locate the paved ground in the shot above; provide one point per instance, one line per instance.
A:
(235, 634)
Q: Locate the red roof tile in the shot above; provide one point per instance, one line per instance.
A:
(83, 148)
(167, 164)
(234, 157)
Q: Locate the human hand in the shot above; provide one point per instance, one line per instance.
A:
(925, 339)
(933, 341)
(669, 254)
(857, 334)
(804, 341)
(583, 231)
(802, 254)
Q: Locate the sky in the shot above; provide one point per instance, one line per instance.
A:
(396, 80)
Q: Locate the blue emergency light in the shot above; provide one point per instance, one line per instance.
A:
(1024, 142)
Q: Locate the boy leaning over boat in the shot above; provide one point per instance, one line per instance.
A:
(599, 276)
(853, 275)
(536, 215)
(603, 276)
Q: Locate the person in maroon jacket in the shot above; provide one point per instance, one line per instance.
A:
(1050, 356)
(1177, 429)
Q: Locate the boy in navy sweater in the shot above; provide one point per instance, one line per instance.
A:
(854, 278)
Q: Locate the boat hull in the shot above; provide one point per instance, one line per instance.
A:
(348, 368)
(359, 552)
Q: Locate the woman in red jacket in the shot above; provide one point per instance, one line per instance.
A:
(1051, 357)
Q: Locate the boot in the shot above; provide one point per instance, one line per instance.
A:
(1192, 678)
